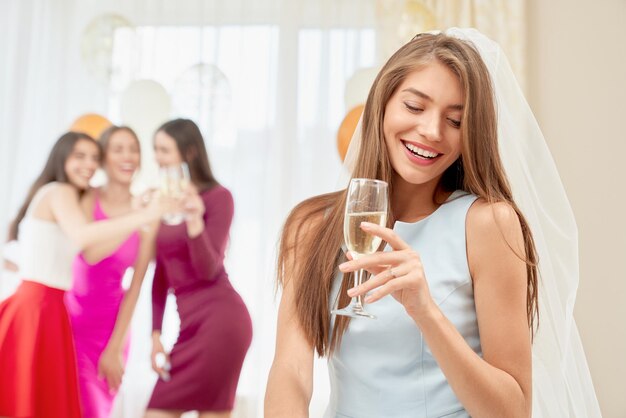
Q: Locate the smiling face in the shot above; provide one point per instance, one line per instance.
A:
(422, 124)
(82, 163)
(166, 150)
(122, 157)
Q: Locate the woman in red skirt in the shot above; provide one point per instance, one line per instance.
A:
(38, 376)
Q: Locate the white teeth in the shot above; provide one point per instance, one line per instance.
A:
(421, 152)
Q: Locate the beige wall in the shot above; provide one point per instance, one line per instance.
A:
(577, 88)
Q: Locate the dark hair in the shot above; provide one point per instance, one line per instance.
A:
(105, 136)
(190, 144)
(54, 170)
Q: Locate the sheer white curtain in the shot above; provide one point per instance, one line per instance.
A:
(285, 64)
(42, 88)
(502, 20)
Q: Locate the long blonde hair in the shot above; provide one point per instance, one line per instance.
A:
(479, 171)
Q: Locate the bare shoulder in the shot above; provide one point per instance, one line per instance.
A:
(65, 203)
(54, 189)
(483, 214)
(50, 195)
(493, 230)
(62, 191)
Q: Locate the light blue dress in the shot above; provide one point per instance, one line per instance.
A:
(383, 368)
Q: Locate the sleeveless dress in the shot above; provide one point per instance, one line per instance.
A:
(38, 376)
(383, 367)
(93, 304)
(215, 327)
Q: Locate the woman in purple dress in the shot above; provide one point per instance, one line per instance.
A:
(100, 310)
(215, 328)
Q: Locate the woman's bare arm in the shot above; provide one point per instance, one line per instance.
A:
(498, 384)
(63, 203)
(290, 383)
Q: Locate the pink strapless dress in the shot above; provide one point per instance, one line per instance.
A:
(93, 304)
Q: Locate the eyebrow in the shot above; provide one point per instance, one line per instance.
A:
(430, 99)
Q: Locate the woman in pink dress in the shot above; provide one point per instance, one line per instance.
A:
(100, 310)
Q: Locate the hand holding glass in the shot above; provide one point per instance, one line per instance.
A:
(174, 181)
(366, 202)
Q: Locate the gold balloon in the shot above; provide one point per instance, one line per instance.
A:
(346, 130)
(92, 124)
(415, 18)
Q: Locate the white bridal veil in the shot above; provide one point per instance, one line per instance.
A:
(562, 384)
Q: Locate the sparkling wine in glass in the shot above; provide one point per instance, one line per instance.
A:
(174, 180)
(366, 202)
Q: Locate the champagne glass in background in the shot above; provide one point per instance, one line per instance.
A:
(366, 202)
(174, 181)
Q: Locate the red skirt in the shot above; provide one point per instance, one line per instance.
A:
(38, 376)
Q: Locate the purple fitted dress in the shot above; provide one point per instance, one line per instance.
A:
(215, 327)
(93, 304)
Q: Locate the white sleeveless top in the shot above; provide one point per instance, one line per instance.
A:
(383, 367)
(46, 253)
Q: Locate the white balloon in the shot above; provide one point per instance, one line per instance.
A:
(145, 106)
(97, 43)
(145, 103)
(358, 86)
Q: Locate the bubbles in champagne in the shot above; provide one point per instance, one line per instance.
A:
(357, 240)
(174, 182)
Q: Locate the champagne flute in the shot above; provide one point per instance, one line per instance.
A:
(366, 202)
(174, 181)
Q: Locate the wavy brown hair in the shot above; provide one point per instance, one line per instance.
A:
(309, 256)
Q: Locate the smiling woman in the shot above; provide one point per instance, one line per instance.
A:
(422, 123)
(100, 310)
(203, 368)
(460, 258)
(37, 356)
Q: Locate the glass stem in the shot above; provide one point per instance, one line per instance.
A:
(358, 279)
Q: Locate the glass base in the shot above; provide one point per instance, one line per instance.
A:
(353, 311)
(173, 218)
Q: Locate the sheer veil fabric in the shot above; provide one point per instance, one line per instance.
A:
(562, 385)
